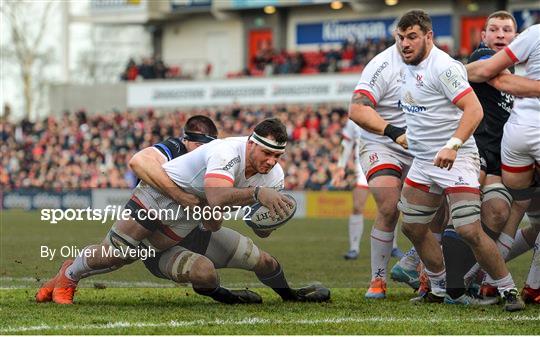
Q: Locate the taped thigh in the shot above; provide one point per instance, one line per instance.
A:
(122, 245)
(176, 263)
(229, 249)
(496, 191)
(465, 212)
(416, 213)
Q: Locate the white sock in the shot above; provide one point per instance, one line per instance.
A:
(79, 269)
(504, 243)
(381, 250)
(410, 260)
(437, 282)
(533, 279)
(396, 234)
(519, 246)
(356, 228)
(506, 283)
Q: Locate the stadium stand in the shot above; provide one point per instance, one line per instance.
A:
(81, 151)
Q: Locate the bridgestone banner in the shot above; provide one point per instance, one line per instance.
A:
(275, 90)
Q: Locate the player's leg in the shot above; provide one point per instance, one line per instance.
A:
(531, 291)
(419, 207)
(229, 249)
(525, 237)
(356, 220)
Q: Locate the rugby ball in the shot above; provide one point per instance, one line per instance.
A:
(259, 216)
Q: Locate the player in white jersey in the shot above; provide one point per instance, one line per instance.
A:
(521, 138)
(232, 172)
(350, 143)
(442, 112)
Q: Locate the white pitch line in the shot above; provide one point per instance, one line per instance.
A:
(256, 321)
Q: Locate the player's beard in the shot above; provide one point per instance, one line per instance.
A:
(420, 56)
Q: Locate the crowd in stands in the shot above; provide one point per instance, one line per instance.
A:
(82, 151)
(150, 68)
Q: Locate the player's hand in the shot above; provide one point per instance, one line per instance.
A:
(278, 204)
(445, 158)
(402, 140)
(263, 234)
(338, 176)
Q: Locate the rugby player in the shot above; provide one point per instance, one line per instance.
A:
(232, 172)
(498, 32)
(351, 134)
(520, 155)
(384, 158)
(442, 112)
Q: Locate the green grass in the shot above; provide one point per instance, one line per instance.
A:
(310, 251)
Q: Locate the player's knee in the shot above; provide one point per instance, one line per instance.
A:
(495, 212)
(246, 256)
(357, 210)
(266, 264)
(472, 234)
(202, 273)
(413, 231)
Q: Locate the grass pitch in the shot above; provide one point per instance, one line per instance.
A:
(132, 301)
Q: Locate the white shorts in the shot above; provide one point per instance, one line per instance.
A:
(361, 181)
(462, 177)
(375, 156)
(520, 148)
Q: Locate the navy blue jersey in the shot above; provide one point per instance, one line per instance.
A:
(496, 104)
(172, 147)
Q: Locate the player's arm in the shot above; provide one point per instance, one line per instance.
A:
(347, 146)
(147, 165)
(362, 112)
(516, 85)
(483, 70)
(471, 118)
(220, 193)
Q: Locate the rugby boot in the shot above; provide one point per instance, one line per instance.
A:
(351, 255)
(64, 289)
(410, 277)
(427, 297)
(424, 285)
(377, 289)
(311, 293)
(466, 299)
(397, 253)
(45, 293)
(487, 290)
(245, 297)
(530, 295)
(512, 300)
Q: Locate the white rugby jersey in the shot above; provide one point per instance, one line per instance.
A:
(526, 48)
(428, 94)
(380, 82)
(352, 132)
(221, 158)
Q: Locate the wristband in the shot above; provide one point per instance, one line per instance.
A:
(393, 132)
(453, 143)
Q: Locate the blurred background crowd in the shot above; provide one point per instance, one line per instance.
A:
(81, 151)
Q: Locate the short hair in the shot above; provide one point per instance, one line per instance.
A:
(503, 15)
(272, 127)
(201, 124)
(415, 17)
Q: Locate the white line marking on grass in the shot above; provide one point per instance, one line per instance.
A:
(257, 321)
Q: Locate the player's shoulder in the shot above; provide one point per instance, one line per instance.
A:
(441, 63)
(481, 53)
